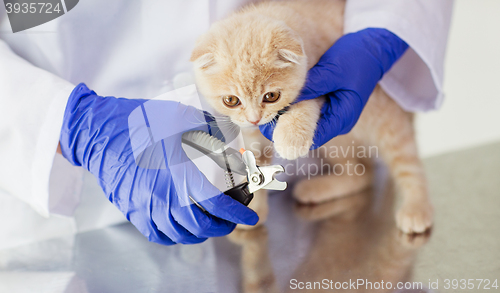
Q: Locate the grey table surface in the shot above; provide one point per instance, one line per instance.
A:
(338, 242)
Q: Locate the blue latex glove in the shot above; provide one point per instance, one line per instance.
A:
(133, 147)
(346, 75)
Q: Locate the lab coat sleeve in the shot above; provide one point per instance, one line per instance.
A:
(416, 80)
(32, 103)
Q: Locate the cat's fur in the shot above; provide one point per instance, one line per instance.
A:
(269, 47)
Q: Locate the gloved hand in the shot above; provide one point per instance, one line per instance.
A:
(133, 147)
(347, 75)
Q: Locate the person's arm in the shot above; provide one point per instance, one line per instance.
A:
(416, 80)
(32, 103)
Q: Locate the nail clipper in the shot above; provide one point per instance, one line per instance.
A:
(231, 160)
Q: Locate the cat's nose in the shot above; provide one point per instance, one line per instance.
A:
(254, 122)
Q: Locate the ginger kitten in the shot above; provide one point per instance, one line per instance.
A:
(253, 64)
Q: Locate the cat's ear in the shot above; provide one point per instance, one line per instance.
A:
(202, 57)
(203, 61)
(288, 56)
(291, 53)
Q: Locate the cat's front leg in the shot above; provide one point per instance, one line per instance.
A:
(294, 132)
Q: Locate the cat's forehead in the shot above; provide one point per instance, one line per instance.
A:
(247, 79)
(252, 39)
(250, 58)
(252, 70)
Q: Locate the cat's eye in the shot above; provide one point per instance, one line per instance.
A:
(231, 101)
(271, 97)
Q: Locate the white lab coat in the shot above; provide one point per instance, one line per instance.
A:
(140, 49)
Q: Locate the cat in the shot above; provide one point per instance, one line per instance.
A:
(253, 64)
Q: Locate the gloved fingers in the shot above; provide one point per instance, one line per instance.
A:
(157, 236)
(147, 227)
(325, 131)
(321, 80)
(166, 224)
(339, 114)
(350, 105)
(145, 224)
(226, 208)
(199, 223)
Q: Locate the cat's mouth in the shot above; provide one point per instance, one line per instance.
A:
(248, 124)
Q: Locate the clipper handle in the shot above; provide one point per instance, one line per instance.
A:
(240, 193)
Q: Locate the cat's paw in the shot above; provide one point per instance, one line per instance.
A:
(413, 241)
(292, 139)
(310, 192)
(248, 227)
(414, 216)
(244, 237)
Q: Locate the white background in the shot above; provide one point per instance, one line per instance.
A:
(470, 114)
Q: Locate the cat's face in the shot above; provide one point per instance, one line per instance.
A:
(249, 68)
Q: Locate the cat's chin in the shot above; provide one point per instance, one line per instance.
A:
(249, 125)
